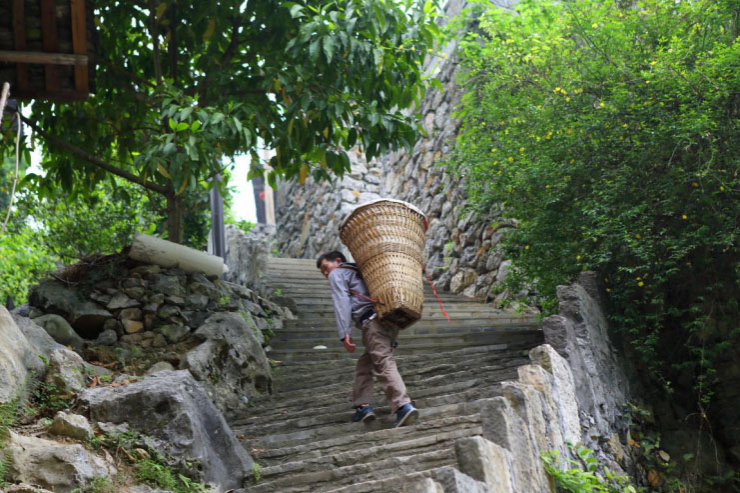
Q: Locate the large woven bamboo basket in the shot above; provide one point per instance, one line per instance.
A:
(386, 238)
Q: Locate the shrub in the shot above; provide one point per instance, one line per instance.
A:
(609, 131)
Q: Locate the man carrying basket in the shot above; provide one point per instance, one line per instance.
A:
(352, 303)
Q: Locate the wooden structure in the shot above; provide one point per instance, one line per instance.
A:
(47, 48)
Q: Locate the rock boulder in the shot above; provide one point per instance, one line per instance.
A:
(52, 465)
(230, 363)
(182, 422)
(18, 358)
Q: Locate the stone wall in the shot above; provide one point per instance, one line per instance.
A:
(458, 252)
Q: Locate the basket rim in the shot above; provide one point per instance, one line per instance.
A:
(373, 202)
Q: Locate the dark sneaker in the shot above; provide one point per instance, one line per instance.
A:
(405, 416)
(363, 414)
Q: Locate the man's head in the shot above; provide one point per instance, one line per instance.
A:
(330, 261)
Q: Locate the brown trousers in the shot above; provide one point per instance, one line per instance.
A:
(378, 360)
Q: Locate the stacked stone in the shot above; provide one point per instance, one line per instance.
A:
(309, 216)
(145, 306)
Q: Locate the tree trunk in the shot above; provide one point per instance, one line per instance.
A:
(174, 217)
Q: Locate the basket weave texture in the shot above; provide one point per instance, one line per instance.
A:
(386, 239)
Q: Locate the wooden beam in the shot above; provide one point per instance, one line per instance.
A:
(62, 95)
(50, 43)
(79, 43)
(19, 42)
(41, 57)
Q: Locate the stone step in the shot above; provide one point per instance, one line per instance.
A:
(440, 405)
(301, 367)
(321, 428)
(305, 393)
(334, 406)
(449, 478)
(318, 380)
(329, 340)
(328, 478)
(343, 443)
(456, 313)
(413, 446)
(311, 329)
(334, 352)
(298, 289)
(324, 303)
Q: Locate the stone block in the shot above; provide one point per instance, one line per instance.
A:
(72, 426)
(486, 462)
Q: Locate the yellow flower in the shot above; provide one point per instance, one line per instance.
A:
(578, 257)
(721, 189)
(526, 247)
(624, 125)
(562, 91)
(641, 284)
(521, 149)
(511, 159)
(557, 89)
(494, 150)
(684, 217)
(594, 25)
(601, 104)
(567, 100)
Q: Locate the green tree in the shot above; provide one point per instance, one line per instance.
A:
(183, 84)
(46, 233)
(609, 133)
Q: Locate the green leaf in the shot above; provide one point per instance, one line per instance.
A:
(328, 44)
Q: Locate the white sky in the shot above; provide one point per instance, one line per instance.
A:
(243, 203)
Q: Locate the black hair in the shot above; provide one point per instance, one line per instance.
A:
(330, 257)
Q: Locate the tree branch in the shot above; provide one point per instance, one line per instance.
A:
(92, 159)
(228, 53)
(154, 31)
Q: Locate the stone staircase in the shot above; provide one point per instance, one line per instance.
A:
(302, 436)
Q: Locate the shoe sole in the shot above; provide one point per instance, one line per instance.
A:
(409, 419)
(366, 419)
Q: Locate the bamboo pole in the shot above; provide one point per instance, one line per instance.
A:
(4, 99)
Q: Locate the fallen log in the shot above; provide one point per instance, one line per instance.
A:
(164, 253)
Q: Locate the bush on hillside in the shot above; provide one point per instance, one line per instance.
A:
(609, 132)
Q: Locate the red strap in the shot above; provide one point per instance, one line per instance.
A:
(429, 279)
(362, 296)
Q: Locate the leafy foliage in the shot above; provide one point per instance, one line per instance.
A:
(581, 475)
(183, 84)
(22, 263)
(44, 233)
(609, 131)
(158, 475)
